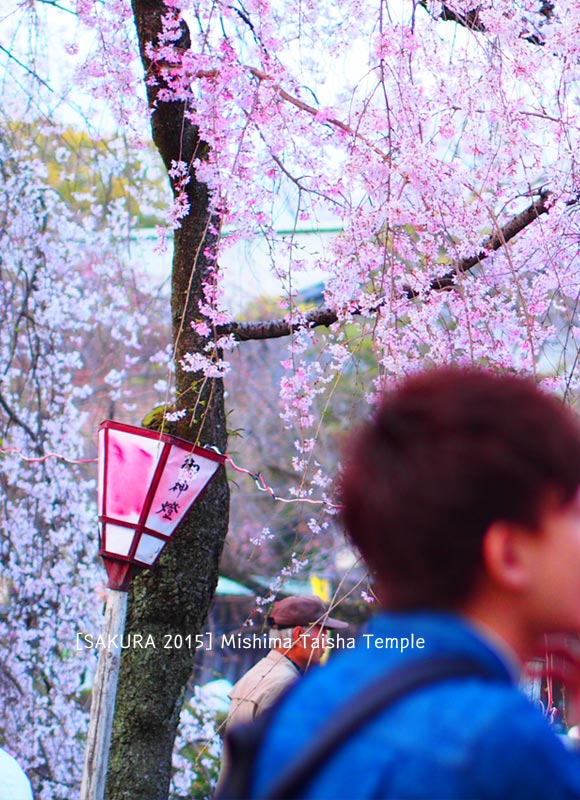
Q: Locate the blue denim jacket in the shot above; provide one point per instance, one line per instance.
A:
(461, 738)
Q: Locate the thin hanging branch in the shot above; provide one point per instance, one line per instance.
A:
(25, 68)
(264, 78)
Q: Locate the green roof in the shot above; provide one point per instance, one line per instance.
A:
(229, 588)
(290, 586)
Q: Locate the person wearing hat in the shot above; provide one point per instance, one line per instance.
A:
(298, 636)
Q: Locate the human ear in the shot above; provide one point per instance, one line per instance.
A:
(297, 632)
(505, 551)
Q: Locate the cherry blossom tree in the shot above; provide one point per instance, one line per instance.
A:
(56, 271)
(448, 153)
(442, 137)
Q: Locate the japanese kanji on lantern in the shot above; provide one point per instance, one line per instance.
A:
(147, 482)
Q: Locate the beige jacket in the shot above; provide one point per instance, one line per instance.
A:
(260, 687)
(255, 691)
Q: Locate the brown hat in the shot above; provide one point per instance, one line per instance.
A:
(302, 610)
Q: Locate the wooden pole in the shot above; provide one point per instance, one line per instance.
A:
(103, 699)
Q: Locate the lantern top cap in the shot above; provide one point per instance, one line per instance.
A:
(169, 438)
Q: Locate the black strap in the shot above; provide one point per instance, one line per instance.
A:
(374, 698)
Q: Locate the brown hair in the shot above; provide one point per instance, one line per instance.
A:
(447, 453)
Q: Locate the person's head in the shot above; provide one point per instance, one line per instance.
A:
(453, 463)
(303, 620)
(304, 645)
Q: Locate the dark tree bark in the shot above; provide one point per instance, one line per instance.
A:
(173, 598)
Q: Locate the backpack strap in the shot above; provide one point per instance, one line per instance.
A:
(243, 742)
(375, 697)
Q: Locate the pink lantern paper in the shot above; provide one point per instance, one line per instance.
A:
(147, 482)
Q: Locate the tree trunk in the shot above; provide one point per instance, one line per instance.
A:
(175, 596)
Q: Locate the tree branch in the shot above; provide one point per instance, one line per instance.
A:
(13, 417)
(274, 329)
(471, 19)
(57, 5)
(492, 243)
